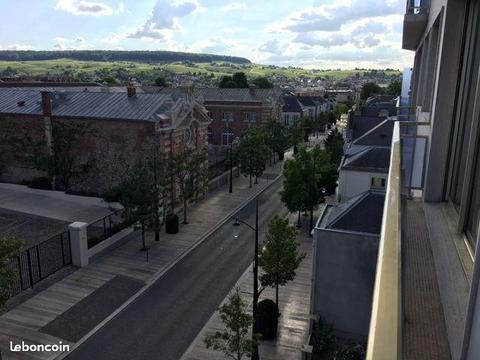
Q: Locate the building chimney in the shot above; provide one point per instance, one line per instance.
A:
(131, 91)
(251, 89)
(46, 103)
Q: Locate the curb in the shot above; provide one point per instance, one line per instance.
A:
(162, 272)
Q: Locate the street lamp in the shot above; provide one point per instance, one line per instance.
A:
(236, 234)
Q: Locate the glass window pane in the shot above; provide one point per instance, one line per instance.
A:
(474, 211)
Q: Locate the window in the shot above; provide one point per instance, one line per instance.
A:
(227, 136)
(210, 135)
(295, 117)
(250, 117)
(310, 113)
(377, 183)
(227, 116)
(210, 114)
(286, 119)
(464, 186)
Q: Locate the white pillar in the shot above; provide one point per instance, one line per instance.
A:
(78, 243)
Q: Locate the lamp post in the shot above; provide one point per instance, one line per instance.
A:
(236, 233)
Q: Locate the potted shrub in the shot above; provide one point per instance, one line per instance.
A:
(267, 316)
(171, 224)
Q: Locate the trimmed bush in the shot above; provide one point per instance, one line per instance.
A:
(171, 224)
(41, 183)
(267, 316)
(112, 195)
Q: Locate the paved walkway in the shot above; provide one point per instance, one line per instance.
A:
(293, 327)
(25, 321)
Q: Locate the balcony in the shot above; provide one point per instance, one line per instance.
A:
(414, 22)
(407, 319)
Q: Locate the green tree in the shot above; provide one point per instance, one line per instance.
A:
(395, 88)
(235, 341)
(296, 134)
(9, 249)
(277, 136)
(185, 168)
(280, 255)
(334, 144)
(227, 82)
(160, 81)
(369, 89)
(339, 109)
(294, 194)
(139, 196)
(252, 153)
(262, 82)
(240, 79)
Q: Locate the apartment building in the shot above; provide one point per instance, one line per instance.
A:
(425, 302)
(234, 110)
(292, 110)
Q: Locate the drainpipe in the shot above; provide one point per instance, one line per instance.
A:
(47, 124)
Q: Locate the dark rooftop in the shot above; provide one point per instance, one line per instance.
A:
(243, 94)
(291, 104)
(306, 100)
(362, 124)
(363, 215)
(380, 135)
(86, 104)
(373, 159)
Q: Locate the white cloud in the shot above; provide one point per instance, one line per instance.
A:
(234, 6)
(332, 16)
(16, 47)
(272, 47)
(92, 8)
(164, 17)
(78, 43)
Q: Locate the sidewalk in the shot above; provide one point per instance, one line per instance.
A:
(294, 298)
(122, 267)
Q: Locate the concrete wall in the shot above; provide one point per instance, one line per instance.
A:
(352, 183)
(343, 280)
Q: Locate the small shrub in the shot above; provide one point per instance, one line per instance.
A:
(322, 338)
(267, 317)
(41, 183)
(112, 195)
(356, 352)
(171, 224)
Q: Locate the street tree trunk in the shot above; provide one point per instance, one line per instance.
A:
(185, 221)
(311, 221)
(276, 299)
(298, 222)
(144, 247)
(250, 180)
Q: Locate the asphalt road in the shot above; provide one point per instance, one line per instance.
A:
(163, 321)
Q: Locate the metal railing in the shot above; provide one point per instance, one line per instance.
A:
(40, 261)
(105, 227)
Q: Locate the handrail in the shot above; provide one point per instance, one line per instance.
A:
(384, 341)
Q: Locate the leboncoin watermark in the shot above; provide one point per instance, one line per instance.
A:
(39, 347)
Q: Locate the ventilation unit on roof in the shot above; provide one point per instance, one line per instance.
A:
(21, 103)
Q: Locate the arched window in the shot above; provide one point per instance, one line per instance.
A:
(227, 136)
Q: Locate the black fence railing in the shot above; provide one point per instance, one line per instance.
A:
(105, 227)
(40, 261)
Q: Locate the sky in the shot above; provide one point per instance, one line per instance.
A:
(323, 34)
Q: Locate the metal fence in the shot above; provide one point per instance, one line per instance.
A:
(105, 227)
(40, 261)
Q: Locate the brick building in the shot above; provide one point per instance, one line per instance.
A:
(234, 110)
(113, 130)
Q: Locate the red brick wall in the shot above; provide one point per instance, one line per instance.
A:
(239, 125)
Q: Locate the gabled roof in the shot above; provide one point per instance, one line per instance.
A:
(307, 101)
(98, 105)
(291, 104)
(363, 124)
(243, 94)
(361, 214)
(380, 135)
(375, 159)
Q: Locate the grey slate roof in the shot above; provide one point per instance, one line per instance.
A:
(306, 101)
(364, 214)
(244, 94)
(380, 135)
(372, 159)
(291, 104)
(362, 124)
(142, 107)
